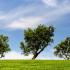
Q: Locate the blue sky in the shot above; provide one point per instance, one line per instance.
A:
(17, 15)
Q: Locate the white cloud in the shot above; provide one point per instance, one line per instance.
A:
(52, 57)
(32, 22)
(16, 12)
(20, 18)
(55, 3)
(60, 11)
(24, 23)
(52, 3)
(2, 17)
(48, 54)
(13, 55)
(16, 55)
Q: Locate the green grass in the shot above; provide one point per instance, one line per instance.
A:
(34, 65)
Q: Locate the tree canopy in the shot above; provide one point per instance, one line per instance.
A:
(35, 40)
(63, 49)
(4, 46)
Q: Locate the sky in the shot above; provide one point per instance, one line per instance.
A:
(18, 15)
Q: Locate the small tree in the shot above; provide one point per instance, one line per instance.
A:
(63, 49)
(37, 39)
(4, 46)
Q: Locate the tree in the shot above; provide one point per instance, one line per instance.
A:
(4, 46)
(37, 39)
(63, 49)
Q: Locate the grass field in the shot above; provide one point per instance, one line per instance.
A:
(34, 65)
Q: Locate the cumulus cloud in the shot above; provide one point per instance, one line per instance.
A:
(16, 55)
(13, 55)
(47, 55)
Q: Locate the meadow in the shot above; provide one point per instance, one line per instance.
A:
(34, 65)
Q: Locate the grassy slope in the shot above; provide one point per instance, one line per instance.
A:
(34, 65)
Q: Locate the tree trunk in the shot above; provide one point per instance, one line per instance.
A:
(67, 58)
(2, 55)
(35, 55)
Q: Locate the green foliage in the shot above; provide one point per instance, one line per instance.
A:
(4, 46)
(37, 39)
(63, 49)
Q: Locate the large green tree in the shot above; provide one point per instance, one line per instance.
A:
(63, 49)
(4, 46)
(36, 40)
